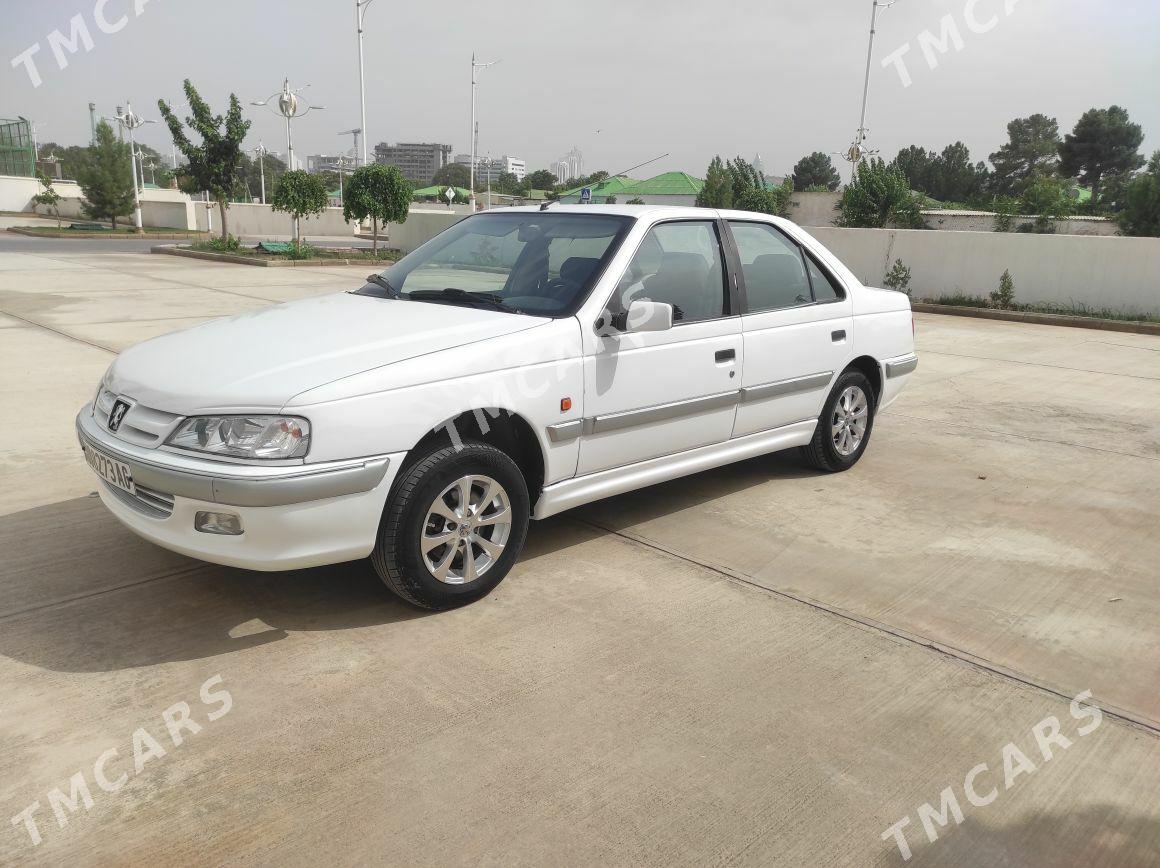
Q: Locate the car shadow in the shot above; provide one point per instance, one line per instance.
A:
(80, 593)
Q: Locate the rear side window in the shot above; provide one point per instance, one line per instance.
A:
(775, 274)
(824, 288)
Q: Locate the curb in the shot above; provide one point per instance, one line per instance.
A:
(1053, 319)
(109, 236)
(171, 250)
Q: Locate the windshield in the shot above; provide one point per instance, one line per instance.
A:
(532, 262)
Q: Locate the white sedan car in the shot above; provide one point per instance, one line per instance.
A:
(521, 363)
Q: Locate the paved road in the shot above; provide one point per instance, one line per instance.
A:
(753, 666)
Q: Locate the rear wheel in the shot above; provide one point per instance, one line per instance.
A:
(454, 526)
(845, 424)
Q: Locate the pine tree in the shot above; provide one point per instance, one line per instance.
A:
(107, 179)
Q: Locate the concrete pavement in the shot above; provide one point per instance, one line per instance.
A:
(757, 665)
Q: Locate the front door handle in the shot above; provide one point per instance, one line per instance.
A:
(725, 356)
(838, 336)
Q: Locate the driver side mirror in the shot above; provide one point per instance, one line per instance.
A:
(648, 316)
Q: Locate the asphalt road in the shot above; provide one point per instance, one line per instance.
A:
(758, 665)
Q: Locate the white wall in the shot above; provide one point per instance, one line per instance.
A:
(264, 221)
(163, 208)
(421, 226)
(1117, 273)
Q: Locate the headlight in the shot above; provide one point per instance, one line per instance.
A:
(244, 436)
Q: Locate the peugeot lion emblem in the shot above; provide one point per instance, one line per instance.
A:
(117, 414)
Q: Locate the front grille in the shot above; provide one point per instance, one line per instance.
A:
(154, 504)
(142, 426)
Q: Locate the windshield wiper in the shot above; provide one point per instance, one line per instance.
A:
(451, 295)
(379, 280)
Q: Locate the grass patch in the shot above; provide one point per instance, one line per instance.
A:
(1081, 310)
(306, 251)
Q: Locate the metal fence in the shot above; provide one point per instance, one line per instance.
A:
(16, 154)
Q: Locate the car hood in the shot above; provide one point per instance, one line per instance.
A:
(260, 360)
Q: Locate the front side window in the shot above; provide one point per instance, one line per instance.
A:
(678, 264)
(775, 274)
(529, 262)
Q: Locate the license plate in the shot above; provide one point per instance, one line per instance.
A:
(116, 473)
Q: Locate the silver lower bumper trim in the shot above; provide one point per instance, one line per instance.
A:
(239, 484)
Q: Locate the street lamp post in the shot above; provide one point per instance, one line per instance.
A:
(131, 122)
(360, 8)
(475, 66)
(261, 151)
(857, 152)
(290, 106)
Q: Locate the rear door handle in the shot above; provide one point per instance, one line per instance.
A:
(839, 335)
(725, 356)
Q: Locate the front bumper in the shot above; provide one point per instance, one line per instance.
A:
(293, 516)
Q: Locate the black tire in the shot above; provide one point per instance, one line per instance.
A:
(822, 453)
(397, 556)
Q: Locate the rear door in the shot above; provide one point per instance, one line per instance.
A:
(797, 325)
(658, 393)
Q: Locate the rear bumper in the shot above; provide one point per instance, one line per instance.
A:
(292, 517)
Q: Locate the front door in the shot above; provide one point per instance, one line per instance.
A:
(652, 394)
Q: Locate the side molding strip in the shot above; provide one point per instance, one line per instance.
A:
(787, 387)
(630, 418)
(565, 431)
(901, 366)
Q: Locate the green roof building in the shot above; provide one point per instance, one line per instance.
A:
(669, 188)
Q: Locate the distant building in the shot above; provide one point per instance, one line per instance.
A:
(569, 166)
(670, 188)
(486, 169)
(418, 161)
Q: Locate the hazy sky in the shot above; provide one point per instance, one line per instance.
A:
(624, 80)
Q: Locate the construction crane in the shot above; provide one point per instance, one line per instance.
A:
(356, 133)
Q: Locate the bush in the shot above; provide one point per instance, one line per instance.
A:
(635, 200)
(898, 278)
(1004, 297)
(229, 244)
(299, 194)
(879, 198)
(1141, 215)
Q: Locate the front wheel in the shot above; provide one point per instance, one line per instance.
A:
(844, 426)
(454, 526)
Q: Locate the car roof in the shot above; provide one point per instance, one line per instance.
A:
(642, 212)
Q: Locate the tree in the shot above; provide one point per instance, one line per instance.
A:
(816, 170)
(212, 164)
(541, 179)
(1032, 149)
(1049, 199)
(1104, 142)
(72, 158)
(718, 189)
(506, 183)
(917, 165)
(299, 194)
(1141, 214)
(379, 192)
(743, 176)
(954, 178)
(452, 175)
(251, 173)
(107, 178)
(48, 197)
(765, 200)
(879, 197)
